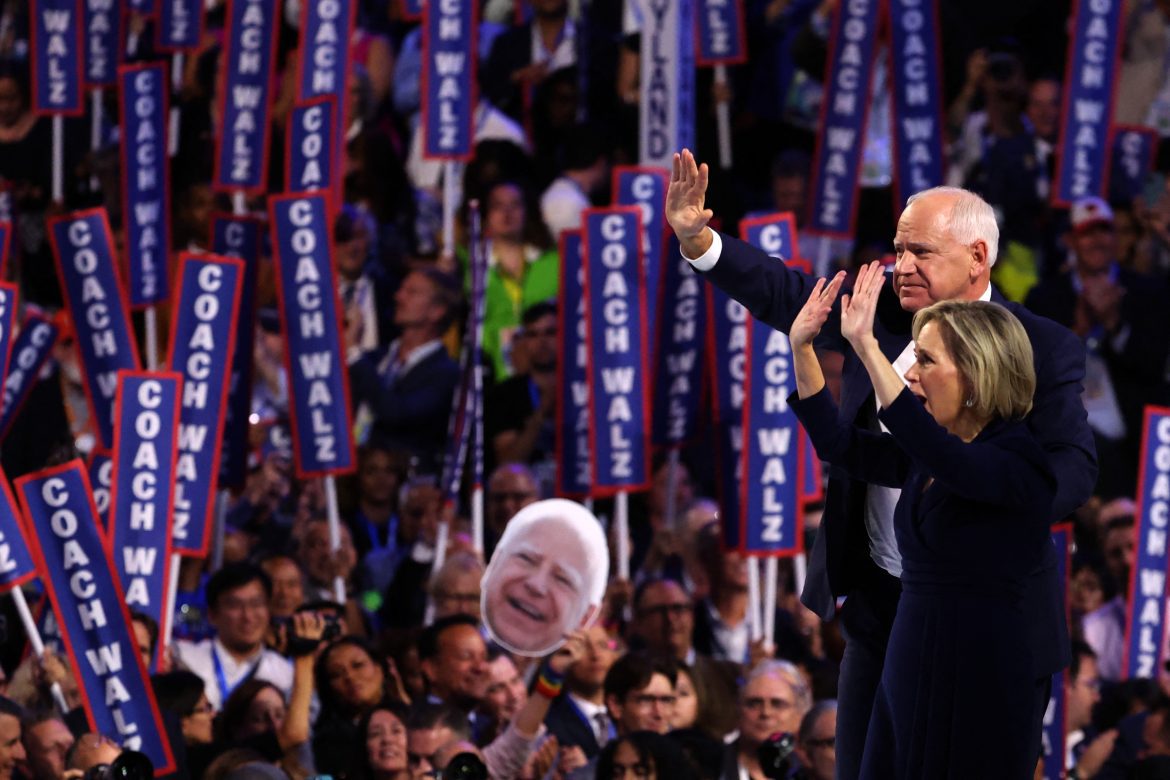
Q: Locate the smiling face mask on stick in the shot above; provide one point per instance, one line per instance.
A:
(546, 578)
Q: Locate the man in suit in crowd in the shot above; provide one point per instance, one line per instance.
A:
(578, 716)
(403, 395)
(946, 243)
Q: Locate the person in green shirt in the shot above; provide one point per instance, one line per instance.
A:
(523, 269)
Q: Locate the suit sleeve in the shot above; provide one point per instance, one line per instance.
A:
(1013, 475)
(1058, 419)
(769, 289)
(865, 455)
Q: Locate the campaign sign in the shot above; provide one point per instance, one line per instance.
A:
(450, 32)
(7, 324)
(145, 448)
(144, 7)
(56, 57)
(241, 160)
(325, 33)
(1132, 159)
(239, 237)
(101, 42)
(83, 247)
(720, 32)
(203, 337)
(180, 24)
(773, 233)
(1090, 77)
(837, 163)
(1145, 631)
(29, 353)
(615, 302)
(311, 323)
(727, 335)
(916, 86)
(16, 562)
(573, 421)
(145, 189)
(666, 119)
(5, 247)
(310, 144)
(100, 467)
(646, 189)
(75, 566)
(678, 356)
(771, 487)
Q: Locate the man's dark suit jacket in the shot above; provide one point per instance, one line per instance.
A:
(410, 412)
(564, 723)
(774, 294)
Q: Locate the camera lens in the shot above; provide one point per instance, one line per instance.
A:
(466, 766)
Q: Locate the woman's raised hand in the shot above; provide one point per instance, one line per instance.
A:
(815, 311)
(857, 310)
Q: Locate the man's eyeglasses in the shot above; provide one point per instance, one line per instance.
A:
(827, 742)
(647, 700)
(758, 702)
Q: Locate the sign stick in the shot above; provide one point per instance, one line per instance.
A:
(173, 121)
(168, 629)
(239, 203)
(477, 456)
(771, 573)
(450, 206)
(218, 528)
(334, 533)
(95, 129)
(671, 488)
(755, 630)
(58, 158)
(723, 120)
(799, 570)
(38, 646)
(442, 534)
(150, 321)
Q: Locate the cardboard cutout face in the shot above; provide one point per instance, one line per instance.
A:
(546, 578)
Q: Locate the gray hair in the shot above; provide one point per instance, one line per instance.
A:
(809, 721)
(789, 673)
(970, 218)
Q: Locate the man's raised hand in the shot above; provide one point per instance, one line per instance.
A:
(684, 204)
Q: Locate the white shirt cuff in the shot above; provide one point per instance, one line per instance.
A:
(707, 260)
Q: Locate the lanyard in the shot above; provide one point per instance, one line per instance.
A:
(225, 690)
(375, 538)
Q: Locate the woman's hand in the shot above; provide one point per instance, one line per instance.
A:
(812, 316)
(857, 310)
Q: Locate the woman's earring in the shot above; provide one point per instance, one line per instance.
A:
(969, 403)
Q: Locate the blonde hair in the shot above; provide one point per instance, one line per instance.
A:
(992, 351)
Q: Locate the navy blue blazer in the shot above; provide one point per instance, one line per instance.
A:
(565, 722)
(774, 294)
(411, 411)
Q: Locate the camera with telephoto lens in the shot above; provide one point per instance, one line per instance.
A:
(299, 645)
(465, 766)
(129, 765)
(775, 755)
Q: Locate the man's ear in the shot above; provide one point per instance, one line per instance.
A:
(614, 705)
(979, 265)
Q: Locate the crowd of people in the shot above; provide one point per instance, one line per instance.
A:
(270, 675)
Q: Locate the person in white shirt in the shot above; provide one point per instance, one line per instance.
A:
(237, 602)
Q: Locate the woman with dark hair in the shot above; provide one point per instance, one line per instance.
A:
(644, 755)
(180, 694)
(352, 681)
(383, 732)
